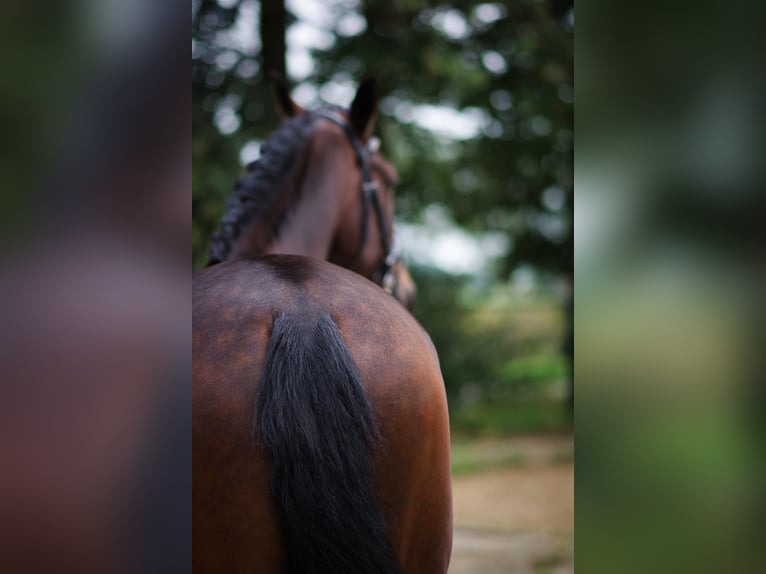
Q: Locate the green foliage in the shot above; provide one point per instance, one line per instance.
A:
(510, 64)
(502, 418)
(500, 354)
(539, 368)
(509, 67)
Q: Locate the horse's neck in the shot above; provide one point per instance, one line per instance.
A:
(310, 225)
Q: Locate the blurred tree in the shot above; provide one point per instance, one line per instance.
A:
(506, 68)
(510, 63)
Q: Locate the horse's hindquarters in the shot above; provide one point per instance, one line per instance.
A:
(413, 468)
(234, 525)
(235, 518)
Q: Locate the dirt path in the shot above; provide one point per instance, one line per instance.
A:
(477, 552)
(518, 519)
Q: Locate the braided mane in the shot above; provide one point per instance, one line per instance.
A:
(257, 193)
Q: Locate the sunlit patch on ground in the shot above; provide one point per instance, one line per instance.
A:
(514, 506)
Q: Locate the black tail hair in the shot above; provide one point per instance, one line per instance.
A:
(316, 424)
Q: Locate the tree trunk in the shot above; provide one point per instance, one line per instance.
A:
(273, 29)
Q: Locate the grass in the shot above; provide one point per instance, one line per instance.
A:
(467, 463)
(502, 418)
(497, 420)
(477, 455)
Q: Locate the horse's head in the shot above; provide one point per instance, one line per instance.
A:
(323, 189)
(348, 158)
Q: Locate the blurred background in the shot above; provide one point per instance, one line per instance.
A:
(476, 113)
(670, 282)
(95, 294)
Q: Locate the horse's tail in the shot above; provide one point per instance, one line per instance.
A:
(317, 427)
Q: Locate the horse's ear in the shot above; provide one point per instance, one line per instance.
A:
(286, 107)
(363, 110)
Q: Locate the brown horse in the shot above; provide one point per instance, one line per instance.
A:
(320, 427)
(298, 197)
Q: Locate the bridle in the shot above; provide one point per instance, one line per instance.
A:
(384, 275)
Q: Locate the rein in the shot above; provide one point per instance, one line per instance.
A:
(370, 197)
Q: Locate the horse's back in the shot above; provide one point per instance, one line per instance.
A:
(235, 305)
